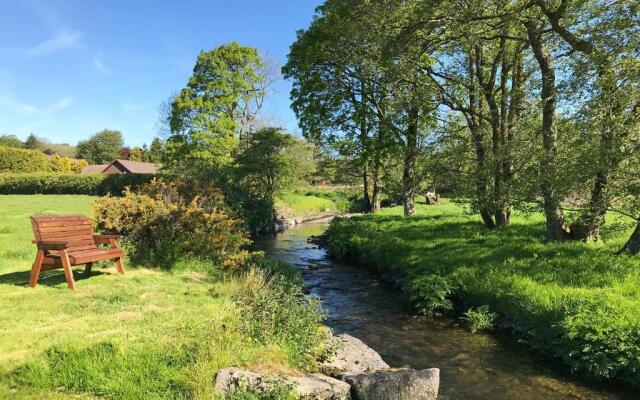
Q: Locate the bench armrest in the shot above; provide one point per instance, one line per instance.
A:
(105, 239)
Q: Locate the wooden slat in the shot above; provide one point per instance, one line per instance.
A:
(50, 218)
(64, 228)
(65, 223)
(69, 235)
(94, 255)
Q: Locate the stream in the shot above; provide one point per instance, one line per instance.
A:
(472, 366)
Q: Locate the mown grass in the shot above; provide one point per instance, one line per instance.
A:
(148, 334)
(575, 301)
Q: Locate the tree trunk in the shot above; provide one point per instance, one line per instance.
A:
(365, 184)
(554, 213)
(633, 245)
(375, 198)
(410, 156)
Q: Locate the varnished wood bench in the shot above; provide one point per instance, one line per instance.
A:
(65, 241)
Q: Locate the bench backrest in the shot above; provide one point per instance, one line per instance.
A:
(75, 228)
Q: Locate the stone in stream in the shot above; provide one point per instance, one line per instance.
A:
(392, 384)
(352, 356)
(313, 386)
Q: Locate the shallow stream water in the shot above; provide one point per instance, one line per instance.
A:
(472, 366)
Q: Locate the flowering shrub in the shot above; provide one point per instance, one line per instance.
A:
(164, 221)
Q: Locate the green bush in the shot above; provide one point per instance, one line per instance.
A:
(601, 338)
(22, 160)
(276, 311)
(478, 319)
(52, 183)
(430, 293)
(165, 221)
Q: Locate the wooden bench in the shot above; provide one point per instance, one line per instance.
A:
(65, 241)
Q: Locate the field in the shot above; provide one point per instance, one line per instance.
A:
(577, 302)
(148, 334)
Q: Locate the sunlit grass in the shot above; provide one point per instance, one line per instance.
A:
(577, 301)
(147, 334)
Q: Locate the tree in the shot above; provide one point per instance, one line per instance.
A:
(265, 168)
(154, 153)
(101, 148)
(136, 154)
(10, 141)
(33, 142)
(214, 111)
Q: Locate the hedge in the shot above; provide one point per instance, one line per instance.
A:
(15, 160)
(49, 183)
(23, 160)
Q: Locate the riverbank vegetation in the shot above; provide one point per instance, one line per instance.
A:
(152, 333)
(574, 301)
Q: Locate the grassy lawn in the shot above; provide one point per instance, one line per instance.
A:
(298, 205)
(148, 334)
(575, 301)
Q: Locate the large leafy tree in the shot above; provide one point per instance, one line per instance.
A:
(101, 148)
(215, 110)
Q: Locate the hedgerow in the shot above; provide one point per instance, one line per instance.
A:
(54, 183)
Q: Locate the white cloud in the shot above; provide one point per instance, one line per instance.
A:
(100, 66)
(40, 117)
(60, 104)
(63, 40)
(17, 107)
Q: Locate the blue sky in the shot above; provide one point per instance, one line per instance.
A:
(69, 68)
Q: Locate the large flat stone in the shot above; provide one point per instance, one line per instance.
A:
(353, 356)
(312, 387)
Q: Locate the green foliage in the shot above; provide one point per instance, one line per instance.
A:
(101, 148)
(431, 294)
(478, 319)
(23, 160)
(580, 302)
(206, 116)
(276, 311)
(154, 153)
(66, 183)
(33, 142)
(273, 391)
(136, 154)
(165, 221)
(10, 141)
(600, 337)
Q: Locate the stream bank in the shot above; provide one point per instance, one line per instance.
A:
(472, 366)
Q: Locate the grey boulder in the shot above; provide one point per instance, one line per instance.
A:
(395, 384)
(353, 356)
(313, 386)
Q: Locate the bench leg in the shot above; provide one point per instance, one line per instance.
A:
(119, 266)
(35, 269)
(87, 267)
(68, 273)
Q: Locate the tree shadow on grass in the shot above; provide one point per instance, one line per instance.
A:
(47, 278)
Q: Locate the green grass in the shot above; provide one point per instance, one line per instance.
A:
(316, 200)
(298, 205)
(148, 334)
(575, 301)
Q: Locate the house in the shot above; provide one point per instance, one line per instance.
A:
(123, 167)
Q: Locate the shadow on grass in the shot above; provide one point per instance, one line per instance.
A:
(47, 278)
